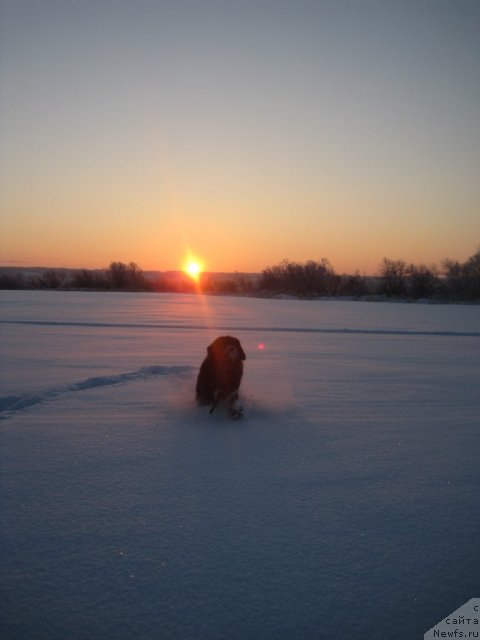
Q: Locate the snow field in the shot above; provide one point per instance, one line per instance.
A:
(345, 504)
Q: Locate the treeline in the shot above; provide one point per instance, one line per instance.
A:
(396, 279)
(118, 277)
(125, 277)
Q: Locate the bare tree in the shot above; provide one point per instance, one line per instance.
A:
(423, 281)
(304, 279)
(393, 274)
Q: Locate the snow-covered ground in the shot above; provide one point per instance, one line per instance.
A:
(345, 504)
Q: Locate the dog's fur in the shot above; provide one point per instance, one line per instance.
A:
(220, 375)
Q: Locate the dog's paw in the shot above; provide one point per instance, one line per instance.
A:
(235, 411)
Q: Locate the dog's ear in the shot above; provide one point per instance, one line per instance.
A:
(240, 351)
(214, 347)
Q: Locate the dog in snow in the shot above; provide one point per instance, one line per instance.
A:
(220, 375)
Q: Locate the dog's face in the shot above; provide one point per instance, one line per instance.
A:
(226, 348)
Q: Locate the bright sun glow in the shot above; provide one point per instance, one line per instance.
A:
(193, 268)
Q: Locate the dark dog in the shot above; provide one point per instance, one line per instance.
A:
(220, 375)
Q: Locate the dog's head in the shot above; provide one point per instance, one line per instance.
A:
(226, 348)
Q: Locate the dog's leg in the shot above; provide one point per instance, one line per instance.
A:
(216, 395)
(234, 408)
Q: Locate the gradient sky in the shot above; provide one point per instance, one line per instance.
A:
(244, 132)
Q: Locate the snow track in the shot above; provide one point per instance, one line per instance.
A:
(9, 405)
(230, 328)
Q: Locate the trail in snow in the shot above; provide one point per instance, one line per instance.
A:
(231, 328)
(11, 404)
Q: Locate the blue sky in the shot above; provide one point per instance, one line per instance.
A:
(241, 132)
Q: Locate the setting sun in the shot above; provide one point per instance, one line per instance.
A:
(193, 268)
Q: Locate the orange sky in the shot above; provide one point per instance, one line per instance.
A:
(244, 135)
